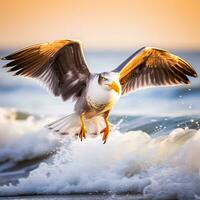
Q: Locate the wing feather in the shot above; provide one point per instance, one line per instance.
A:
(60, 65)
(150, 67)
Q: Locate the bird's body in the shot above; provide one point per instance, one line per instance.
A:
(61, 66)
(96, 99)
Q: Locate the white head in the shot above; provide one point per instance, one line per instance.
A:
(110, 81)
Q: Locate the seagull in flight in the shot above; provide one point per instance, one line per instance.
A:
(61, 66)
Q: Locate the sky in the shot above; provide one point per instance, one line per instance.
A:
(102, 24)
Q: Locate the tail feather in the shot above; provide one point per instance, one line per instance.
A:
(71, 125)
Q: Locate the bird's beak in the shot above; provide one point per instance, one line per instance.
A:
(114, 86)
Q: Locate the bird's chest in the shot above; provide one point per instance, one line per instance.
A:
(101, 99)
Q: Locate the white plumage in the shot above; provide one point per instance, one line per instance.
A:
(101, 94)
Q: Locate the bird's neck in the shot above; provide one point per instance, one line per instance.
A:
(100, 95)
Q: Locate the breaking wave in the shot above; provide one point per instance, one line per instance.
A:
(159, 166)
(22, 136)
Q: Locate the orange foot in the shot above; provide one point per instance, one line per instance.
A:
(105, 134)
(106, 130)
(83, 131)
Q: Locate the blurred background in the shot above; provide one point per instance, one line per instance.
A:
(110, 31)
(157, 153)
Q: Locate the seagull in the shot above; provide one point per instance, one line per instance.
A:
(61, 66)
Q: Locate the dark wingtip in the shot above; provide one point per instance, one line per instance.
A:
(187, 83)
(5, 66)
(3, 58)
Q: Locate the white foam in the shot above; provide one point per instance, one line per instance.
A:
(23, 139)
(161, 168)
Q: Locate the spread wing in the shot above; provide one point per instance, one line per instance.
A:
(150, 67)
(60, 65)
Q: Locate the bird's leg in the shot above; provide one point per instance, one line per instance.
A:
(83, 130)
(107, 129)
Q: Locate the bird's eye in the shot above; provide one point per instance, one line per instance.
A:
(103, 78)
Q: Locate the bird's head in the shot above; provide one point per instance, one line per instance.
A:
(110, 81)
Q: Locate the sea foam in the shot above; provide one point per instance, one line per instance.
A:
(160, 167)
(24, 139)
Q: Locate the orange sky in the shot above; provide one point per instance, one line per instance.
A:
(100, 24)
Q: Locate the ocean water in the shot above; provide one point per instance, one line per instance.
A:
(153, 153)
